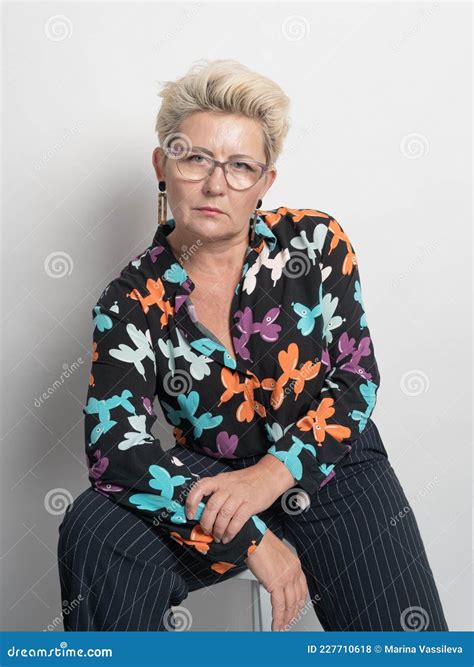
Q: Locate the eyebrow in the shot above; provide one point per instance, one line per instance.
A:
(205, 150)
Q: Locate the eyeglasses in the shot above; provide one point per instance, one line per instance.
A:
(196, 166)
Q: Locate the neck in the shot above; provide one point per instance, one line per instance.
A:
(209, 258)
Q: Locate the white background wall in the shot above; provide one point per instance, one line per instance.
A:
(380, 138)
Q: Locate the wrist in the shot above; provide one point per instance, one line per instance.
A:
(261, 546)
(277, 473)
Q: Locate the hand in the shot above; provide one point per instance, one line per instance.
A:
(235, 496)
(280, 572)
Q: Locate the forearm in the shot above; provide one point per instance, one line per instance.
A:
(275, 473)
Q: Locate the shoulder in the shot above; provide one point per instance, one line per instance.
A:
(299, 227)
(120, 294)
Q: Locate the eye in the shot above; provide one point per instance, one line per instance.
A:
(242, 166)
(191, 158)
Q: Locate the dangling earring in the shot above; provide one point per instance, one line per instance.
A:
(162, 203)
(254, 221)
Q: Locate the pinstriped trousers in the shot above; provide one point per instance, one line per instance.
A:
(358, 543)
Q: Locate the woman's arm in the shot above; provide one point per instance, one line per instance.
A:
(126, 463)
(321, 438)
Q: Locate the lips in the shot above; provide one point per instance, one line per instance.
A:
(210, 208)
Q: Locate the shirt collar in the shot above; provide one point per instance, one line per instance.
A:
(176, 280)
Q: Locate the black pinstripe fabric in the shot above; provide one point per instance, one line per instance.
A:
(364, 570)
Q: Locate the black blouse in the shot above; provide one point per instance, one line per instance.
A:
(303, 387)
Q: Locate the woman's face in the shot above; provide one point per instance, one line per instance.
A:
(224, 135)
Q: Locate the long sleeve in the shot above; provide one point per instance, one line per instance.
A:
(126, 463)
(313, 445)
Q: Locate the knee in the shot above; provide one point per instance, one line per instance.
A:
(80, 518)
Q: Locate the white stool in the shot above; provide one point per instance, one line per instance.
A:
(261, 603)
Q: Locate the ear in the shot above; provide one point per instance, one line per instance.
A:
(158, 157)
(270, 177)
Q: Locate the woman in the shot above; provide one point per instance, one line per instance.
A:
(255, 340)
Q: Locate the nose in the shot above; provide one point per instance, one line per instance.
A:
(216, 181)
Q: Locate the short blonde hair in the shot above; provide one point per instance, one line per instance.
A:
(230, 87)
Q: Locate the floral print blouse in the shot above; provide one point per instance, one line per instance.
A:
(302, 388)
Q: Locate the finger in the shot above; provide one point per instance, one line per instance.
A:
(304, 593)
(225, 517)
(240, 516)
(291, 603)
(203, 487)
(211, 510)
(300, 596)
(278, 608)
(304, 584)
(299, 592)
